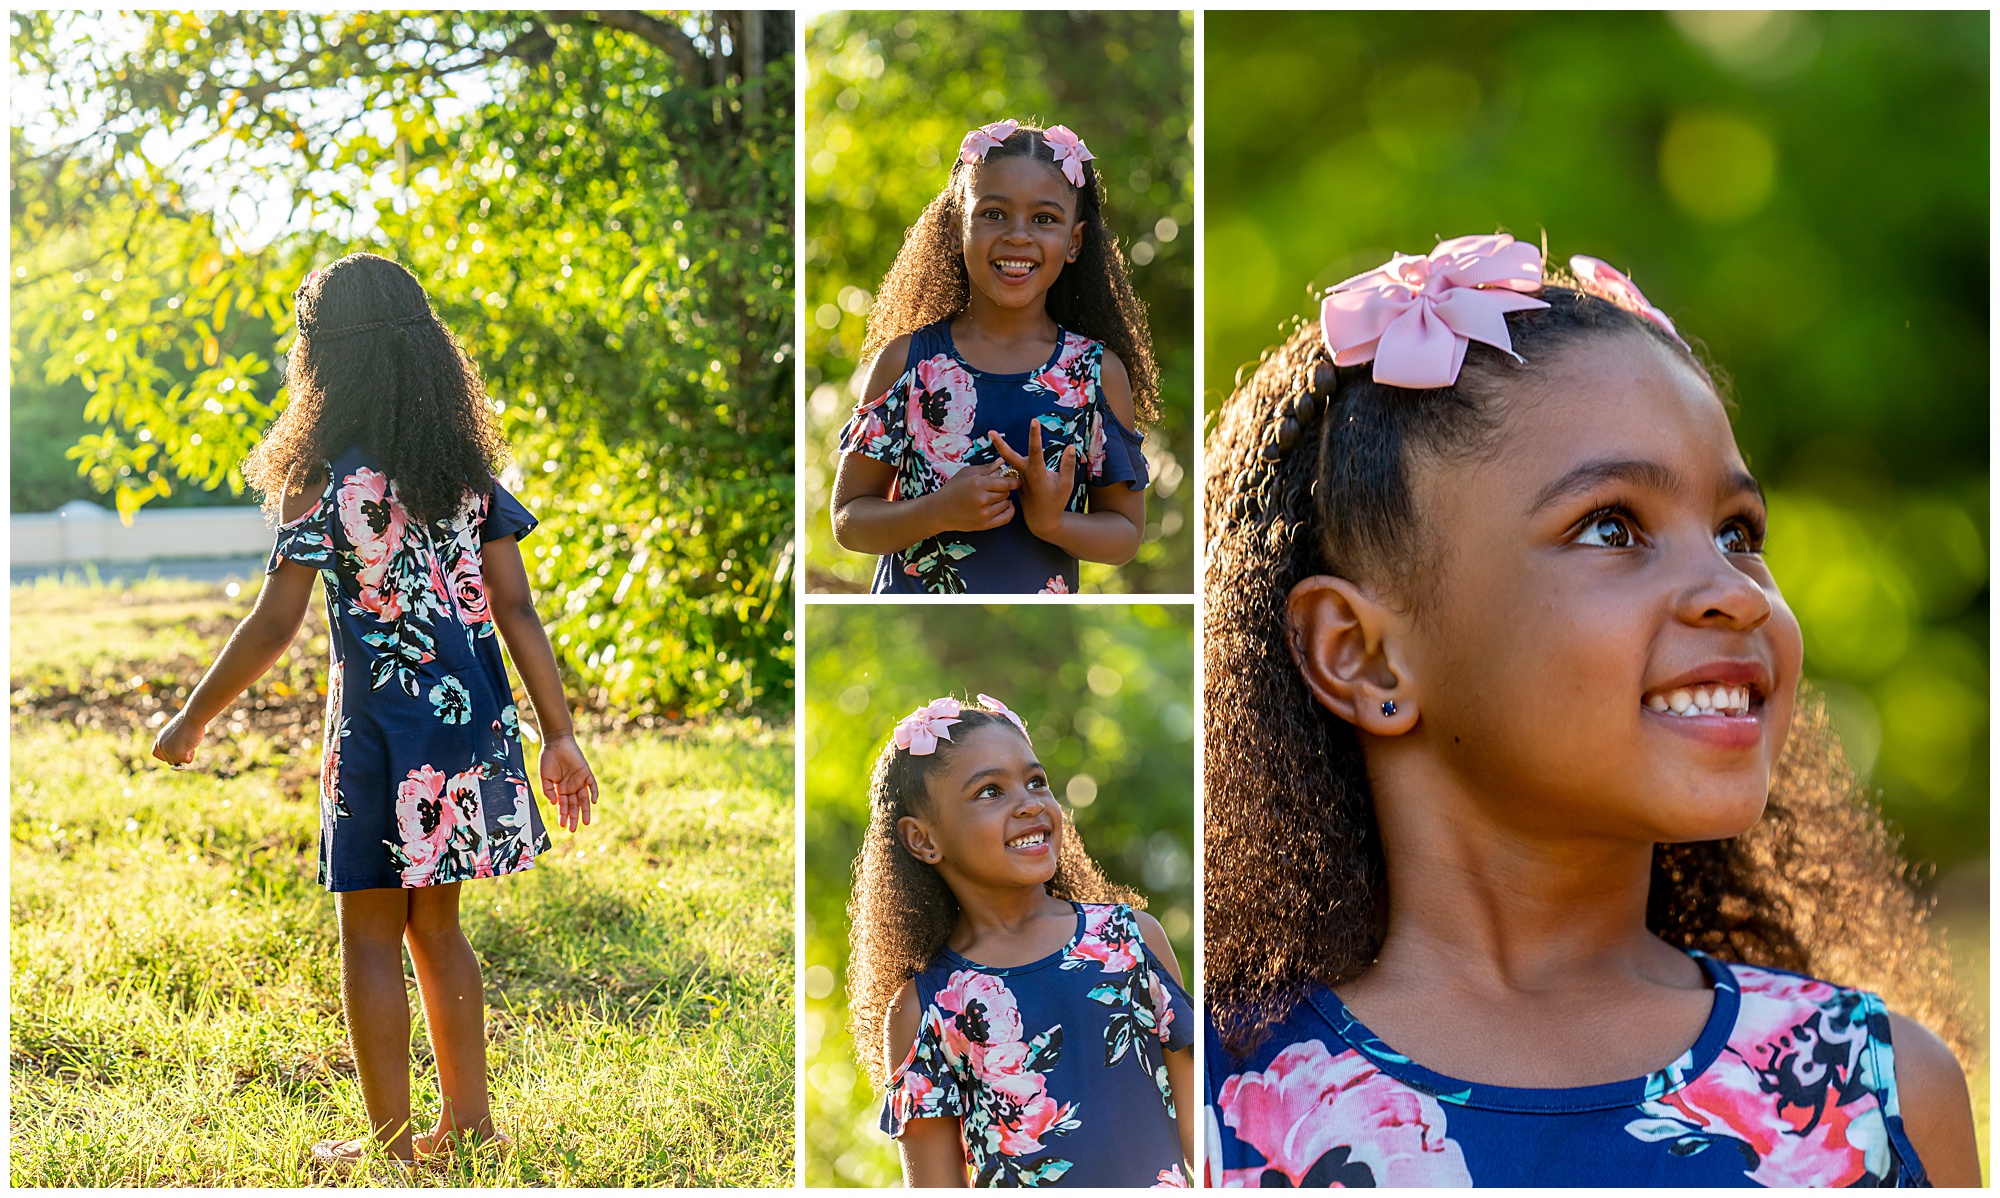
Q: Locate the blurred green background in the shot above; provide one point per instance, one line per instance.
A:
(1107, 691)
(888, 98)
(1804, 193)
(600, 205)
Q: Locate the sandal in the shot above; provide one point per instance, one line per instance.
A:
(346, 1154)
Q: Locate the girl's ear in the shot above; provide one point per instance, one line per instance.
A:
(916, 838)
(1349, 648)
(1076, 240)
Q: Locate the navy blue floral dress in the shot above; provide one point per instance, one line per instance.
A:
(1056, 1070)
(423, 781)
(939, 418)
(1792, 1082)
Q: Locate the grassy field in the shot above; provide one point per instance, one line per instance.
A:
(175, 980)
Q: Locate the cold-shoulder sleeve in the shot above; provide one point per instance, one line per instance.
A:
(505, 517)
(927, 1085)
(1114, 453)
(879, 428)
(307, 540)
(1173, 1010)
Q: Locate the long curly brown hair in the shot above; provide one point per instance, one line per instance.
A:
(1310, 470)
(1092, 296)
(900, 912)
(374, 366)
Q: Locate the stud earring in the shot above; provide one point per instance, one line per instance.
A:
(1388, 707)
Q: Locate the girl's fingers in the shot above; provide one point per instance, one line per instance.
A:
(1007, 453)
(1035, 442)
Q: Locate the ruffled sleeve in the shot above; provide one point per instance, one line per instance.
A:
(879, 428)
(308, 540)
(1114, 453)
(1173, 1010)
(505, 517)
(927, 1086)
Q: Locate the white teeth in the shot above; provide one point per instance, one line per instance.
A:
(1712, 698)
(1031, 839)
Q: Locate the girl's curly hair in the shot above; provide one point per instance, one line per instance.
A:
(900, 912)
(1310, 473)
(373, 366)
(1092, 296)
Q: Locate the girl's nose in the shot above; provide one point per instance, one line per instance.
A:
(1722, 595)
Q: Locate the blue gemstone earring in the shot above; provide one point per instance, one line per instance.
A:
(1388, 707)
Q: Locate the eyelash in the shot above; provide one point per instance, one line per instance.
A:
(1040, 217)
(1036, 782)
(1752, 526)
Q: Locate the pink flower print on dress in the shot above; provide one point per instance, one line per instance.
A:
(374, 521)
(980, 1012)
(1057, 586)
(1311, 1106)
(424, 822)
(1171, 1179)
(1162, 1004)
(1026, 1112)
(1107, 939)
(1793, 1036)
(943, 401)
(1093, 454)
(1066, 377)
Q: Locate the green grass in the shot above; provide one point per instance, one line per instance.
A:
(175, 1009)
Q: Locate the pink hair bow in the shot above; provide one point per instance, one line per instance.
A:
(989, 701)
(1414, 316)
(1070, 152)
(984, 138)
(919, 731)
(1600, 279)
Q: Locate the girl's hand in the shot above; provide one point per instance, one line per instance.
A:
(1044, 493)
(176, 742)
(975, 499)
(567, 781)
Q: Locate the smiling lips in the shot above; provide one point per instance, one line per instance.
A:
(1039, 838)
(1014, 268)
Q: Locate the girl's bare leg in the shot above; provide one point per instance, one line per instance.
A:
(378, 1007)
(454, 1010)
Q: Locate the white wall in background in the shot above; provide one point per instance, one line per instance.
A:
(84, 532)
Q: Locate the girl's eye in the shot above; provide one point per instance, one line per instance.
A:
(1038, 784)
(1611, 530)
(1739, 536)
(1043, 218)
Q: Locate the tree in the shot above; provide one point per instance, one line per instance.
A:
(599, 205)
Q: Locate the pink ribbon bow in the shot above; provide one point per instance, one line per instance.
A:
(1414, 316)
(1070, 152)
(1600, 279)
(984, 138)
(919, 731)
(988, 701)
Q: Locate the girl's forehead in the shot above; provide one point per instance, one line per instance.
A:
(987, 747)
(1019, 180)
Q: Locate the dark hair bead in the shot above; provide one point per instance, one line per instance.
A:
(1288, 434)
(1270, 452)
(1305, 406)
(1323, 379)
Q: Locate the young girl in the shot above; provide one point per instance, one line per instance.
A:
(1518, 855)
(1030, 1021)
(995, 445)
(382, 472)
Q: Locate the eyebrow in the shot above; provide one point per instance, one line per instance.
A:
(1637, 471)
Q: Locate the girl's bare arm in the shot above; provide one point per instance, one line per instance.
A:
(254, 647)
(567, 780)
(933, 1149)
(1937, 1109)
(1180, 1064)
